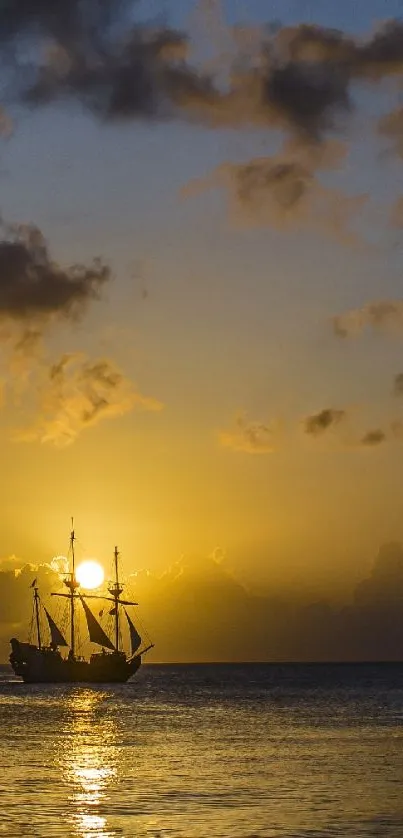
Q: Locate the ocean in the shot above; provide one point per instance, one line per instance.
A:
(206, 751)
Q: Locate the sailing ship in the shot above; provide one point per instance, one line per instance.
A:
(37, 663)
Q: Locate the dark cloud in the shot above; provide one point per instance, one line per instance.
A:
(378, 56)
(300, 78)
(330, 419)
(296, 78)
(381, 55)
(384, 315)
(373, 438)
(319, 423)
(34, 286)
(93, 52)
(78, 393)
(307, 77)
(145, 75)
(310, 43)
(306, 96)
(269, 88)
(65, 20)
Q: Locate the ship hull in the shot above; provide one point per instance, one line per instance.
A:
(46, 666)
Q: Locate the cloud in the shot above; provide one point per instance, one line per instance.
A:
(398, 384)
(396, 214)
(65, 20)
(299, 79)
(74, 393)
(391, 126)
(145, 75)
(77, 394)
(6, 124)
(318, 423)
(396, 428)
(33, 286)
(35, 292)
(95, 53)
(377, 57)
(200, 611)
(284, 192)
(384, 315)
(384, 585)
(373, 438)
(251, 437)
(14, 564)
(304, 96)
(382, 55)
(296, 79)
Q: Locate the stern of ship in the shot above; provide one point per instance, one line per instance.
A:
(35, 665)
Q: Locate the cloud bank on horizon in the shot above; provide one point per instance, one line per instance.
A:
(201, 612)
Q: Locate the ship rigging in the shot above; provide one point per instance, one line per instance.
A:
(38, 663)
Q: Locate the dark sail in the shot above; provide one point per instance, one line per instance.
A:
(135, 638)
(55, 633)
(39, 663)
(95, 631)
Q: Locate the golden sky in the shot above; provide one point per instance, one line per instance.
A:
(228, 375)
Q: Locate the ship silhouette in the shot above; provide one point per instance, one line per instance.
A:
(37, 663)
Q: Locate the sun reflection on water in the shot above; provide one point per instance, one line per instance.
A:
(87, 756)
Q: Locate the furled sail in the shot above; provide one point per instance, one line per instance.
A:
(95, 631)
(55, 633)
(135, 638)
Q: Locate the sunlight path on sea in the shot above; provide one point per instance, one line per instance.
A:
(206, 752)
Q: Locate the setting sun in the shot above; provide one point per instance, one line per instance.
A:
(90, 574)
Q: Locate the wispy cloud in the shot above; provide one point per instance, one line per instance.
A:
(251, 436)
(384, 315)
(391, 126)
(285, 193)
(78, 393)
(396, 214)
(398, 384)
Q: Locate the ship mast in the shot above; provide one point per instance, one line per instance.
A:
(38, 625)
(115, 589)
(71, 583)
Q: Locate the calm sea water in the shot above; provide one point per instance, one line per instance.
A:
(206, 752)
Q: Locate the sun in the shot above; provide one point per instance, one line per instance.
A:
(90, 574)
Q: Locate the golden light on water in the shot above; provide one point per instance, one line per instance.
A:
(88, 765)
(90, 574)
